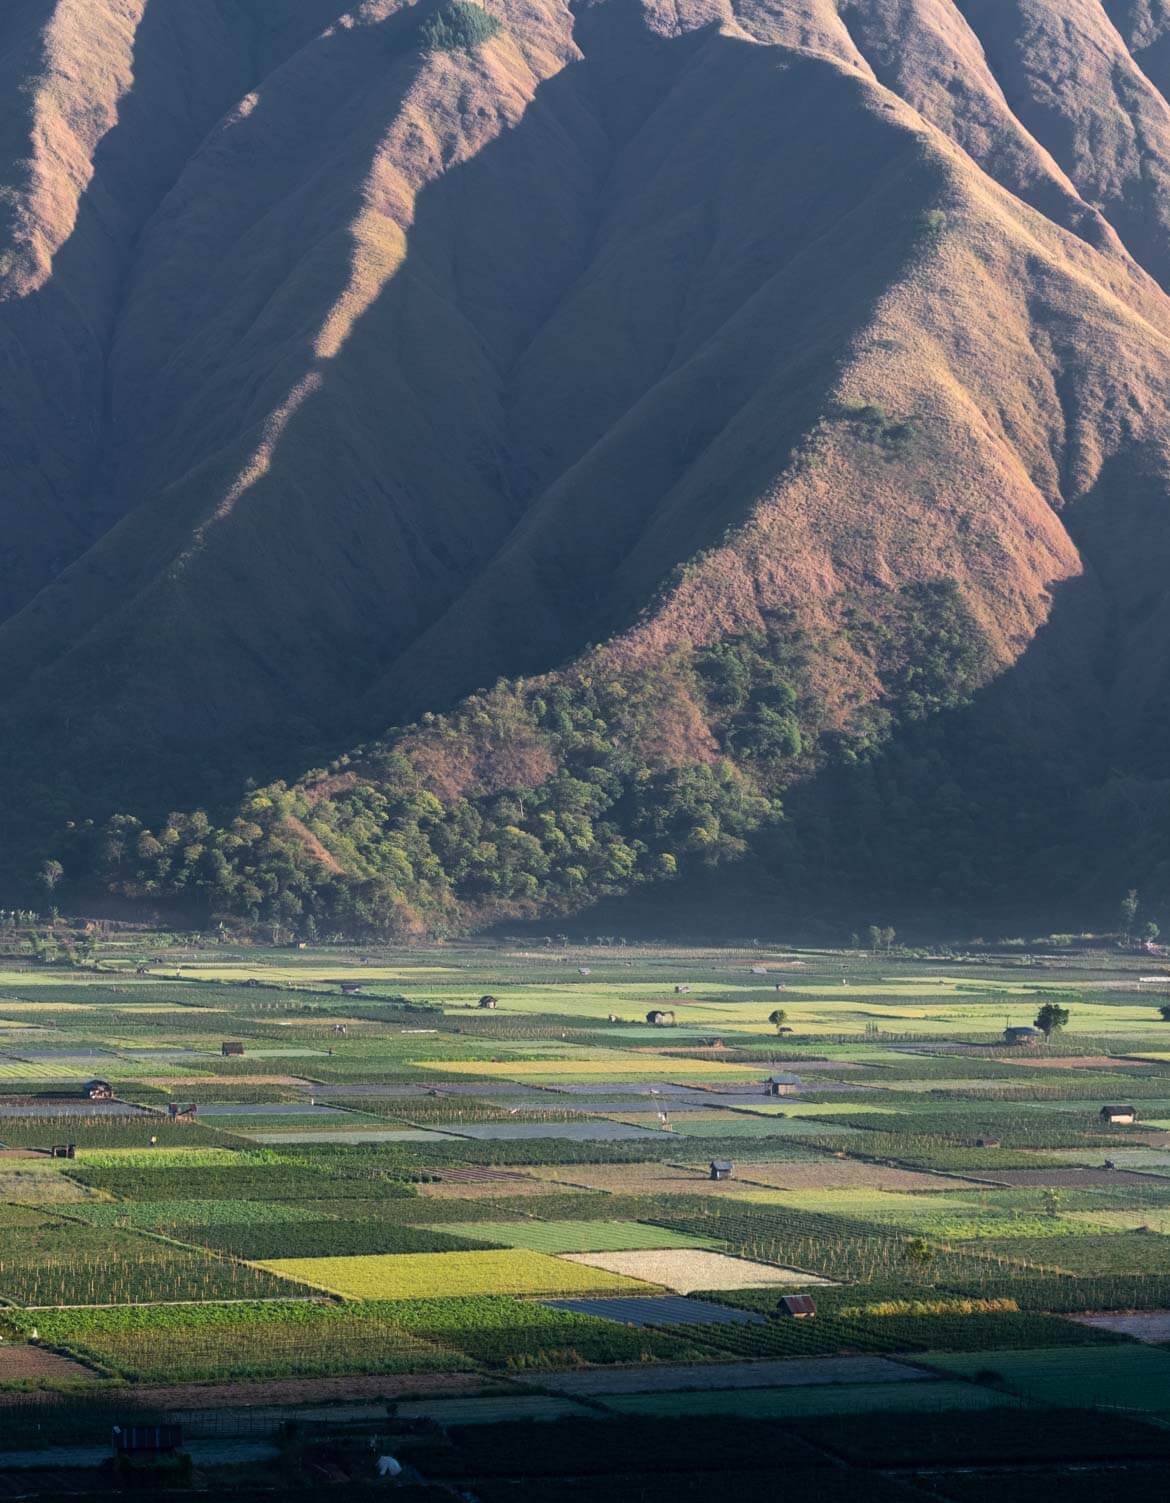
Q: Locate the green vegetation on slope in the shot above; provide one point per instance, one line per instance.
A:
(544, 795)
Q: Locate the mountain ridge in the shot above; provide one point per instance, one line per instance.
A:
(650, 328)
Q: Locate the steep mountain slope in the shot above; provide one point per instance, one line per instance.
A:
(812, 358)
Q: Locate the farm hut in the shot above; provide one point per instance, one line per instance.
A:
(1023, 1035)
(680, 989)
(798, 1306)
(350, 988)
(231, 1047)
(99, 1090)
(782, 1085)
(149, 1439)
(489, 1001)
(660, 1019)
(715, 1043)
(986, 1141)
(175, 1111)
(759, 970)
(722, 1168)
(583, 970)
(63, 1151)
(1119, 1114)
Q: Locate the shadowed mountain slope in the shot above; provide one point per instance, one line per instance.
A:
(813, 359)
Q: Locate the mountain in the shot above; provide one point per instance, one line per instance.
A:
(732, 440)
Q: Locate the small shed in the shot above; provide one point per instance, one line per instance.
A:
(722, 1168)
(99, 1090)
(682, 988)
(987, 1141)
(231, 1047)
(659, 1018)
(1119, 1114)
(798, 1306)
(350, 988)
(149, 1439)
(1023, 1035)
(489, 1001)
(63, 1151)
(782, 1085)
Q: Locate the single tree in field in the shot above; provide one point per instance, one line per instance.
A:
(1129, 909)
(1051, 1018)
(1053, 1200)
(919, 1250)
(1150, 931)
(1165, 1012)
(875, 934)
(778, 1018)
(888, 937)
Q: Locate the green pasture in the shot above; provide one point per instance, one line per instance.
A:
(577, 1236)
(1121, 1377)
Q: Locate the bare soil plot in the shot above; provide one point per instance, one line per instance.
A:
(1072, 1062)
(488, 1189)
(684, 1269)
(673, 1377)
(827, 1173)
(476, 1174)
(1072, 1179)
(1151, 1326)
(20, 1362)
(635, 1179)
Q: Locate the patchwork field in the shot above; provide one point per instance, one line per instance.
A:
(534, 1194)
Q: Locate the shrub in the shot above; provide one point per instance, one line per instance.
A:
(457, 28)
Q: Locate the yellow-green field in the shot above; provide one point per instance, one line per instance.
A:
(449, 1275)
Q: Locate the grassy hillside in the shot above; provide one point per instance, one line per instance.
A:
(603, 353)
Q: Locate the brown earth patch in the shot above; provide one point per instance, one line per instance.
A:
(311, 845)
(637, 1179)
(1080, 1062)
(486, 1189)
(19, 1362)
(840, 1174)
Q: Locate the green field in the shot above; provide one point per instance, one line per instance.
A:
(427, 1275)
(396, 1184)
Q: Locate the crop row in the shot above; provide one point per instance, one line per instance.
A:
(63, 1264)
(209, 1341)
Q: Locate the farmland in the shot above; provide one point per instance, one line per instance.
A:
(405, 1185)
